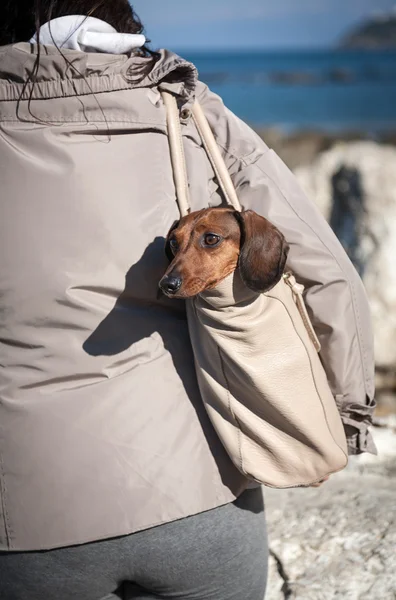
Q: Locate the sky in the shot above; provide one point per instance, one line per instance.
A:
(210, 24)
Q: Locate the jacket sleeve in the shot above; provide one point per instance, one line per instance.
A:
(335, 297)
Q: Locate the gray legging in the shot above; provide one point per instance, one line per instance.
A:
(217, 555)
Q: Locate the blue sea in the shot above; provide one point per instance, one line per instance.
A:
(327, 90)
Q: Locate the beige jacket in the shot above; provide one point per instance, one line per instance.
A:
(102, 430)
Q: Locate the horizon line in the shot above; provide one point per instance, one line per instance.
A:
(262, 49)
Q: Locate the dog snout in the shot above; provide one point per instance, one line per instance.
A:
(171, 284)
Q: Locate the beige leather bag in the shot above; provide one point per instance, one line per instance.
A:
(257, 361)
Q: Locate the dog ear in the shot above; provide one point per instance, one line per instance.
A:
(168, 251)
(263, 252)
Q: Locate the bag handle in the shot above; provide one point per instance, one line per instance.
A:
(177, 153)
(215, 157)
(178, 157)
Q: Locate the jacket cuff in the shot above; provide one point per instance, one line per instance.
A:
(357, 419)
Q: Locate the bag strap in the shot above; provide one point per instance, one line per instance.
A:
(215, 157)
(178, 157)
(177, 153)
(298, 290)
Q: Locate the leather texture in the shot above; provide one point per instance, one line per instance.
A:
(264, 386)
(256, 357)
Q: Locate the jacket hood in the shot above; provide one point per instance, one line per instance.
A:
(70, 72)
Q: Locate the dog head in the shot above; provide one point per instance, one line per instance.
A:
(208, 245)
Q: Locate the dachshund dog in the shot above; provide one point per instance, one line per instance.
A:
(208, 245)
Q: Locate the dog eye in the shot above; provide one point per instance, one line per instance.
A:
(211, 239)
(174, 245)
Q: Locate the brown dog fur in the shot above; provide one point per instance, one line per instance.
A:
(246, 240)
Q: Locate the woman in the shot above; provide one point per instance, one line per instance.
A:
(112, 481)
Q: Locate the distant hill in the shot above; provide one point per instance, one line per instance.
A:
(376, 33)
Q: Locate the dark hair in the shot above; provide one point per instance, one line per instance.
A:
(22, 18)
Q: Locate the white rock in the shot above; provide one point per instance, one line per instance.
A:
(377, 166)
(337, 541)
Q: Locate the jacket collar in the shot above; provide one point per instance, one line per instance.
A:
(64, 74)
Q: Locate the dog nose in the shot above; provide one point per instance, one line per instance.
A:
(171, 284)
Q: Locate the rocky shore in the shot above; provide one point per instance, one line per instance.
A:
(300, 148)
(338, 541)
